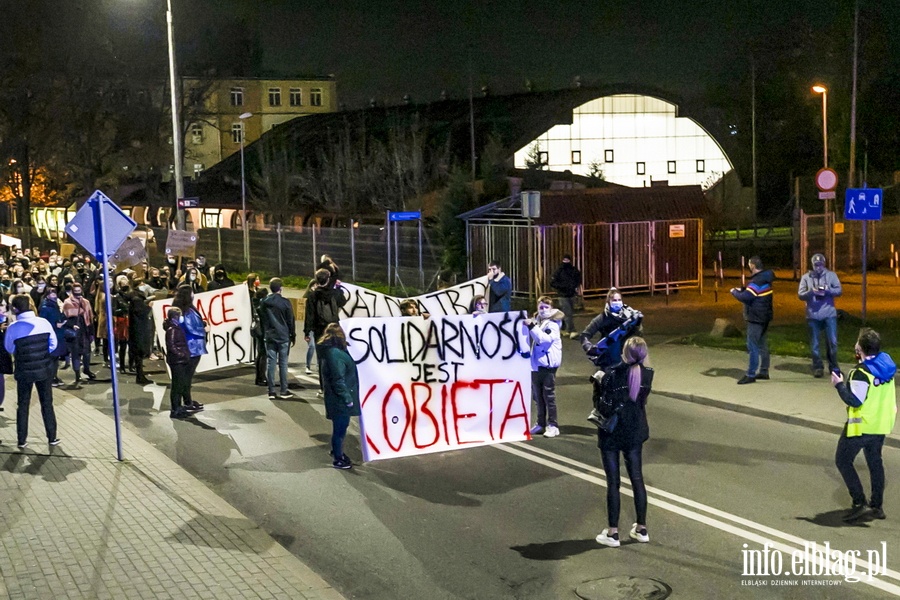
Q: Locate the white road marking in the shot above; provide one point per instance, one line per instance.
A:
(752, 533)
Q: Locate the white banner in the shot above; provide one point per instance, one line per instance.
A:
(444, 383)
(228, 313)
(456, 300)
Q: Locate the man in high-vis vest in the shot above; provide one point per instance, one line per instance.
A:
(871, 400)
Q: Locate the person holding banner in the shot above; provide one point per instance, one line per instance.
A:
(341, 384)
(195, 329)
(626, 387)
(546, 356)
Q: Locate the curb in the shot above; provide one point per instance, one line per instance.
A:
(762, 413)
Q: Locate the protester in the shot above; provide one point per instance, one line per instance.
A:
(615, 324)
(220, 279)
(178, 357)
(6, 362)
(121, 304)
(140, 333)
(30, 340)
(757, 300)
(323, 307)
(102, 332)
(479, 305)
(276, 316)
(871, 398)
(410, 308)
(546, 356)
(499, 288)
(566, 280)
(79, 332)
(309, 335)
(258, 335)
(49, 311)
(341, 385)
(625, 389)
(327, 263)
(818, 288)
(195, 330)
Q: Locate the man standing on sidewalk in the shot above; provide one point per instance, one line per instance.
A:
(871, 399)
(818, 288)
(757, 300)
(276, 317)
(31, 339)
(566, 281)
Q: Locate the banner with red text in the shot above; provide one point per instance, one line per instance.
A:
(444, 383)
(228, 313)
(456, 300)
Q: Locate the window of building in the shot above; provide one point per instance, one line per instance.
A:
(296, 97)
(197, 133)
(544, 159)
(212, 218)
(274, 96)
(315, 97)
(641, 168)
(671, 166)
(701, 166)
(608, 156)
(576, 157)
(237, 96)
(237, 132)
(198, 168)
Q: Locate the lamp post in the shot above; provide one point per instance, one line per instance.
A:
(243, 117)
(821, 89)
(176, 118)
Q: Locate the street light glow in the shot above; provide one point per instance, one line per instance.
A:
(819, 88)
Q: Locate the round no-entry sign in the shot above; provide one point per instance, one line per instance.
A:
(826, 180)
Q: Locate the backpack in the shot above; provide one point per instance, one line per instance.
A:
(327, 309)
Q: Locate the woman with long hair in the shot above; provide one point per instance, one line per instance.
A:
(625, 388)
(195, 329)
(340, 381)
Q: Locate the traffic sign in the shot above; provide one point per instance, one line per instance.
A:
(863, 204)
(84, 227)
(405, 216)
(826, 180)
(193, 202)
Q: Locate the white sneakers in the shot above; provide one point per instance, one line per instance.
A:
(641, 536)
(552, 431)
(607, 539)
(573, 336)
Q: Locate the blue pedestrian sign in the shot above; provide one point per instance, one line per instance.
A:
(863, 204)
(85, 228)
(405, 216)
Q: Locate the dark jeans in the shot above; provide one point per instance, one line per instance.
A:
(847, 449)
(829, 328)
(635, 473)
(543, 390)
(192, 370)
(277, 352)
(758, 347)
(260, 360)
(45, 396)
(339, 426)
(81, 354)
(181, 385)
(567, 306)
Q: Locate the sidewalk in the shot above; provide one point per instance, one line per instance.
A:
(708, 376)
(76, 523)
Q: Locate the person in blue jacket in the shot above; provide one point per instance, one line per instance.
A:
(757, 300)
(340, 381)
(499, 288)
(195, 330)
(50, 311)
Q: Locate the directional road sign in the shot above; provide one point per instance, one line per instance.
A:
(863, 204)
(192, 202)
(405, 216)
(84, 227)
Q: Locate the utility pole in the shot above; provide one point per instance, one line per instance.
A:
(851, 179)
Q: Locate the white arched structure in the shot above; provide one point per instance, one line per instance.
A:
(633, 140)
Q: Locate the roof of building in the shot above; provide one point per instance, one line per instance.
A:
(602, 205)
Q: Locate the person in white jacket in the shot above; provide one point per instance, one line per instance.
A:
(546, 356)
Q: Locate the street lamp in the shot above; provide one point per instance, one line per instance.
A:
(176, 118)
(821, 89)
(243, 117)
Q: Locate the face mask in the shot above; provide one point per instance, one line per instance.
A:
(256, 284)
(616, 305)
(193, 276)
(19, 289)
(51, 298)
(220, 275)
(545, 312)
(181, 319)
(77, 293)
(41, 286)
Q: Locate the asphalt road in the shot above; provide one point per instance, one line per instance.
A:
(519, 520)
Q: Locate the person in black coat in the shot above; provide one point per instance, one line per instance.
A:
(50, 311)
(615, 324)
(140, 332)
(220, 279)
(623, 390)
(276, 317)
(566, 280)
(178, 357)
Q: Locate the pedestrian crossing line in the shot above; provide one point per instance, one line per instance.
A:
(751, 531)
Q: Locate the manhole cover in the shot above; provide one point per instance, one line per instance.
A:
(620, 587)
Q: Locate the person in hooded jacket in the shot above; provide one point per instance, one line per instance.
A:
(566, 280)
(546, 356)
(195, 329)
(178, 357)
(341, 389)
(818, 288)
(140, 332)
(615, 324)
(220, 279)
(49, 310)
(757, 300)
(80, 331)
(871, 398)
